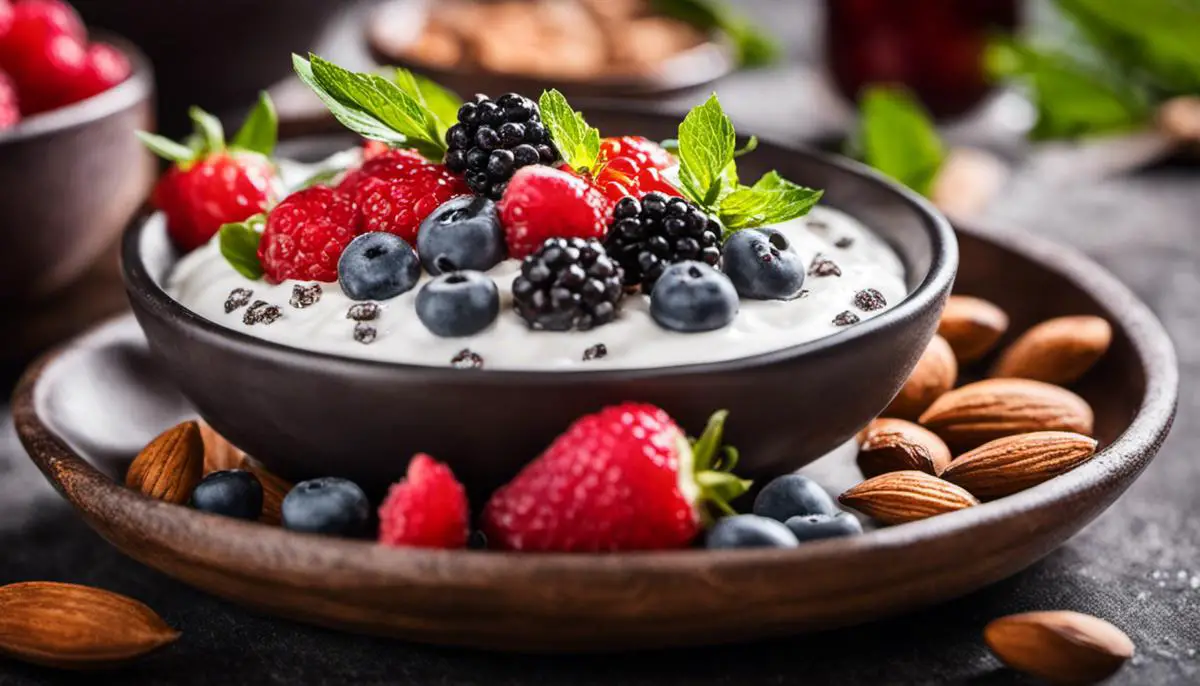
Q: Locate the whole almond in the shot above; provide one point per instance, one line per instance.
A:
(898, 497)
(935, 373)
(219, 454)
(983, 411)
(1012, 464)
(894, 445)
(76, 627)
(971, 326)
(275, 489)
(1061, 647)
(170, 466)
(1057, 351)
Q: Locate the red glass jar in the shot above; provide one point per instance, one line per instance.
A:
(935, 47)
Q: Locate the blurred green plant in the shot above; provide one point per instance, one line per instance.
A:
(755, 47)
(896, 136)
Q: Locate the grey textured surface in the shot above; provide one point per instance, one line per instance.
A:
(1138, 565)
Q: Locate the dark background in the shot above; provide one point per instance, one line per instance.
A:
(1137, 566)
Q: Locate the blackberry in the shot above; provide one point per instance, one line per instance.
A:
(495, 138)
(648, 235)
(569, 283)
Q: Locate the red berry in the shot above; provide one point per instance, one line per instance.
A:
(428, 509)
(397, 189)
(544, 202)
(44, 49)
(621, 479)
(306, 234)
(632, 165)
(103, 67)
(6, 20)
(373, 149)
(644, 152)
(10, 113)
(198, 197)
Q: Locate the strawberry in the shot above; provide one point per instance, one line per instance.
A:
(10, 112)
(210, 183)
(625, 478)
(544, 202)
(372, 149)
(397, 189)
(305, 235)
(428, 509)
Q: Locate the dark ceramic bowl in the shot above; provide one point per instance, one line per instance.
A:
(306, 414)
(71, 180)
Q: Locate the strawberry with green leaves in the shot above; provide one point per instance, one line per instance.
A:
(212, 183)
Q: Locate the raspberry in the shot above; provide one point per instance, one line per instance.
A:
(306, 234)
(648, 235)
(493, 139)
(632, 165)
(568, 284)
(396, 190)
(10, 112)
(428, 509)
(544, 202)
(644, 152)
(103, 67)
(217, 189)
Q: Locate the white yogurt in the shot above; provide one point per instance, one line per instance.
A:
(203, 280)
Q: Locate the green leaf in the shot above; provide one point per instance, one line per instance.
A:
(706, 145)
(577, 142)
(166, 148)
(754, 46)
(1073, 99)
(239, 245)
(898, 138)
(441, 102)
(260, 131)
(772, 200)
(209, 129)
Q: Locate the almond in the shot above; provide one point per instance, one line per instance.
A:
(935, 373)
(219, 454)
(170, 466)
(971, 326)
(1061, 647)
(275, 490)
(894, 445)
(969, 179)
(898, 497)
(1057, 351)
(970, 416)
(76, 627)
(1012, 464)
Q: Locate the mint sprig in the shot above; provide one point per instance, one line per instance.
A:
(708, 174)
(375, 107)
(260, 131)
(576, 140)
(239, 245)
(897, 137)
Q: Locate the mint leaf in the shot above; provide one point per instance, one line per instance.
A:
(209, 129)
(239, 245)
(771, 200)
(577, 142)
(898, 138)
(441, 102)
(260, 131)
(754, 46)
(373, 106)
(166, 148)
(706, 145)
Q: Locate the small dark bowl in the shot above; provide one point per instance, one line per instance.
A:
(306, 414)
(72, 178)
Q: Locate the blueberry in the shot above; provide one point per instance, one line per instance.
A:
(691, 297)
(378, 266)
(793, 495)
(818, 526)
(233, 493)
(466, 231)
(762, 265)
(458, 304)
(749, 531)
(326, 506)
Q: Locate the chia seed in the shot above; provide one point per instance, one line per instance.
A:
(303, 296)
(466, 359)
(238, 297)
(817, 225)
(846, 318)
(363, 312)
(823, 266)
(261, 312)
(869, 300)
(844, 242)
(364, 333)
(595, 352)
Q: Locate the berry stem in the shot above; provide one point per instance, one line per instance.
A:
(712, 467)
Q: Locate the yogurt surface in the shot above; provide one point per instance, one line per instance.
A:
(203, 282)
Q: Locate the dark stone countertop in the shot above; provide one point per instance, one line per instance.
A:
(1138, 565)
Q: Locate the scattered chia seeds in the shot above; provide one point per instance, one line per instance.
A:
(843, 242)
(466, 359)
(817, 225)
(364, 333)
(238, 297)
(363, 312)
(846, 318)
(303, 296)
(869, 300)
(823, 266)
(261, 312)
(595, 352)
